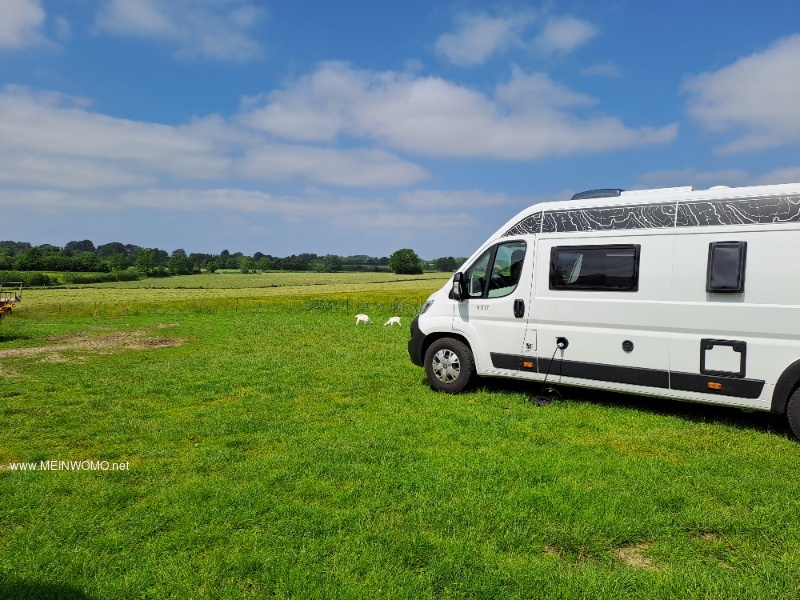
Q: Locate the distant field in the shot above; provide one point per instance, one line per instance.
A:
(223, 289)
(270, 447)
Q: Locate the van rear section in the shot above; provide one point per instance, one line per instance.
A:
(678, 293)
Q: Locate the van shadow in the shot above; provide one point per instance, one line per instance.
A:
(690, 411)
(17, 589)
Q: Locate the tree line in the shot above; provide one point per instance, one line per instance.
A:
(116, 258)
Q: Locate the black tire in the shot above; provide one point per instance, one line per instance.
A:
(793, 413)
(449, 365)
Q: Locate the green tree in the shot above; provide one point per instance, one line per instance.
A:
(179, 264)
(246, 264)
(446, 263)
(147, 260)
(405, 262)
(331, 263)
(117, 262)
(82, 246)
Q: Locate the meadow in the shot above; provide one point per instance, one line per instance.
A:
(272, 448)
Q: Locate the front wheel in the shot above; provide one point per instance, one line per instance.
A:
(449, 365)
(793, 413)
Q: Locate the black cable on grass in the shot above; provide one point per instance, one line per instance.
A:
(546, 395)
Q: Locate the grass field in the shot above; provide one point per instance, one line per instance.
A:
(272, 448)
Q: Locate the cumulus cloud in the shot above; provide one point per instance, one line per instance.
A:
(478, 37)
(51, 139)
(358, 167)
(693, 177)
(529, 116)
(345, 212)
(216, 29)
(755, 99)
(433, 200)
(20, 24)
(562, 35)
(604, 69)
(48, 134)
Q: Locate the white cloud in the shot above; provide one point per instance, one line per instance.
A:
(781, 175)
(605, 69)
(693, 177)
(440, 200)
(216, 29)
(756, 98)
(247, 206)
(478, 37)
(50, 139)
(707, 179)
(39, 200)
(562, 35)
(346, 167)
(20, 23)
(67, 173)
(530, 116)
(50, 133)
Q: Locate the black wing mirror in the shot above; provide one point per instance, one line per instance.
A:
(458, 287)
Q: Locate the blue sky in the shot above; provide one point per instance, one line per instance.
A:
(362, 127)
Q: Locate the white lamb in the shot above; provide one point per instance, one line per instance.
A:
(363, 319)
(393, 321)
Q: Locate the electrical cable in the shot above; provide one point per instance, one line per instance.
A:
(541, 399)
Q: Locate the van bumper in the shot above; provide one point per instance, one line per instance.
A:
(415, 343)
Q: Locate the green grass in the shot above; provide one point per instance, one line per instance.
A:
(277, 449)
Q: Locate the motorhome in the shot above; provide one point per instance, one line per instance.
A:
(677, 293)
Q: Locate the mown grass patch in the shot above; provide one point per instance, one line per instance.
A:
(281, 450)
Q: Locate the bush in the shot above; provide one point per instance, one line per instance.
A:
(28, 279)
(83, 278)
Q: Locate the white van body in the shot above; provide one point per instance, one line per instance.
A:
(677, 293)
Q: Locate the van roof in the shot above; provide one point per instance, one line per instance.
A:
(658, 208)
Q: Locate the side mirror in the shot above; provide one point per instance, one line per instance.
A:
(458, 287)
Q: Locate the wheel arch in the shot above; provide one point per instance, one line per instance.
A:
(787, 384)
(429, 339)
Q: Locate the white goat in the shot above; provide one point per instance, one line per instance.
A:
(393, 321)
(363, 319)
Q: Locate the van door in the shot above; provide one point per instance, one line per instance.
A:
(606, 297)
(494, 313)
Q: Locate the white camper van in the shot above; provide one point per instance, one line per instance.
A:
(678, 293)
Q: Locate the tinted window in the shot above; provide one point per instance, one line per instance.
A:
(595, 268)
(726, 261)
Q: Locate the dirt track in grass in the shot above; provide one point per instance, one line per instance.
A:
(119, 341)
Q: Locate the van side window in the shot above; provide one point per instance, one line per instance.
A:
(506, 269)
(595, 268)
(496, 272)
(476, 275)
(726, 263)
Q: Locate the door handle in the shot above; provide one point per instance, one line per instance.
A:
(519, 308)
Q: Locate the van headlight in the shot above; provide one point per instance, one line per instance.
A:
(426, 306)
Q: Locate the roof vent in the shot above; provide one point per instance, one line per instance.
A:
(607, 193)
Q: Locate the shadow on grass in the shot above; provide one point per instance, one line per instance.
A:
(10, 337)
(31, 590)
(689, 411)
